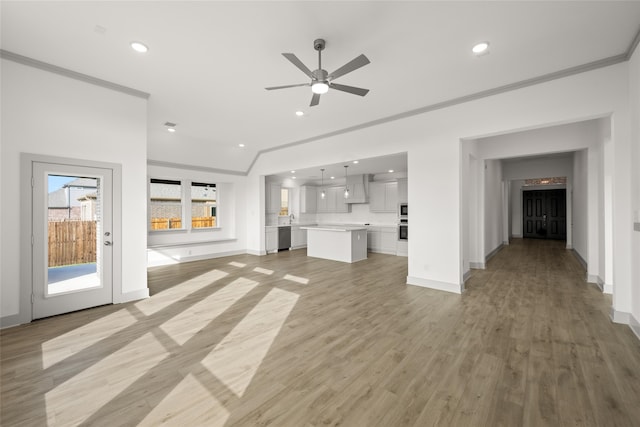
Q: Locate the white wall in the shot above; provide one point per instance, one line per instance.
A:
(493, 218)
(433, 143)
(579, 197)
(169, 247)
(634, 95)
(48, 114)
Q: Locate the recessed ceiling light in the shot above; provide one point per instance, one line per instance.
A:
(390, 170)
(171, 130)
(139, 47)
(171, 127)
(480, 48)
(241, 145)
(333, 177)
(293, 177)
(293, 171)
(356, 162)
(299, 113)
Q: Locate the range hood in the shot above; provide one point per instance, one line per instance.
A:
(358, 186)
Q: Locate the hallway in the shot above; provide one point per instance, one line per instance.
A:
(289, 340)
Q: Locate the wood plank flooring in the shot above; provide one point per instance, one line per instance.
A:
(286, 340)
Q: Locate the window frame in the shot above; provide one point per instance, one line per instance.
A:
(186, 205)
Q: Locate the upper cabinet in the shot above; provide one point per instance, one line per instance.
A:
(383, 196)
(333, 202)
(272, 198)
(403, 190)
(308, 199)
(357, 185)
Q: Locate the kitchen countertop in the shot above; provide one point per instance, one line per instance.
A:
(335, 227)
(360, 226)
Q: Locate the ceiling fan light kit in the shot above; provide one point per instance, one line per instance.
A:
(321, 81)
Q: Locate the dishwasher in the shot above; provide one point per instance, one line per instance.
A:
(284, 238)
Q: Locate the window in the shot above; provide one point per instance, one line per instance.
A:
(203, 205)
(284, 202)
(165, 198)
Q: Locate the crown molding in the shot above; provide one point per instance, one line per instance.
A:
(25, 60)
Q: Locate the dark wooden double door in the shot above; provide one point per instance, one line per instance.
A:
(545, 214)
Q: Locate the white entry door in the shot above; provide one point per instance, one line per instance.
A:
(72, 241)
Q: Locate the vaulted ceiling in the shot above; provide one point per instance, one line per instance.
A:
(209, 62)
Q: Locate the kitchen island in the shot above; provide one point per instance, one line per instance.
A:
(337, 243)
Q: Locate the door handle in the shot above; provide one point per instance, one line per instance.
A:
(107, 243)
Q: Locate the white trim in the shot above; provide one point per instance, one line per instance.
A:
(211, 256)
(593, 278)
(607, 288)
(256, 253)
(25, 314)
(580, 260)
(135, 295)
(620, 317)
(172, 165)
(466, 275)
(635, 326)
(30, 62)
(493, 253)
(10, 321)
(194, 243)
(434, 284)
(477, 265)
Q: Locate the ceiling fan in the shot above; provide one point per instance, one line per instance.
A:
(321, 81)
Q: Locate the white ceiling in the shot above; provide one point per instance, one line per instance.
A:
(209, 62)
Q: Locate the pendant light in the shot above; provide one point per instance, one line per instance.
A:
(346, 188)
(322, 193)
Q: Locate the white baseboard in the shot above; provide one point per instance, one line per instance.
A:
(434, 284)
(477, 265)
(493, 253)
(607, 288)
(620, 317)
(256, 253)
(10, 321)
(593, 278)
(211, 255)
(466, 275)
(635, 326)
(569, 246)
(516, 236)
(134, 296)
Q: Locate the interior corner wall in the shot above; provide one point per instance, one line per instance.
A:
(493, 219)
(579, 195)
(170, 247)
(634, 102)
(49, 114)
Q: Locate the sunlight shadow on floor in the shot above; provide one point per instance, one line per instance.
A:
(167, 297)
(301, 280)
(236, 359)
(189, 322)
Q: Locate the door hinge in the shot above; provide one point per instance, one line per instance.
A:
(32, 240)
(33, 297)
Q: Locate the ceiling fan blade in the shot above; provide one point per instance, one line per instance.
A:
(286, 86)
(315, 99)
(351, 89)
(295, 61)
(354, 64)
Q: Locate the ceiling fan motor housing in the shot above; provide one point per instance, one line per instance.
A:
(318, 44)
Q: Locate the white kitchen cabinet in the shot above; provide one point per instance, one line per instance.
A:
(333, 202)
(298, 237)
(272, 198)
(388, 240)
(403, 191)
(271, 239)
(383, 196)
(402, 248)
(308, 199)
(382, 239)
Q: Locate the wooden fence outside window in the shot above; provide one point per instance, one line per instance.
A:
(71, 242)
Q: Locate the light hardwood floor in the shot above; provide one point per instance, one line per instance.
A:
(286, 340)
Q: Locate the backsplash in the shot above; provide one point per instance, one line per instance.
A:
(359, 214)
